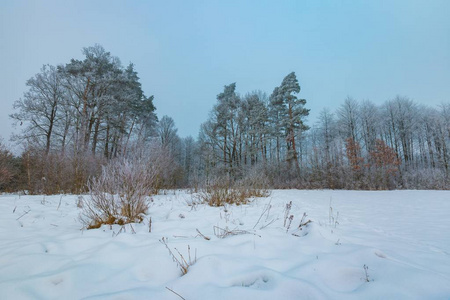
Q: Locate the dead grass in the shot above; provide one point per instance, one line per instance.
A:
(225, 232)
(118, 195)
(220, 193)
(181, 262)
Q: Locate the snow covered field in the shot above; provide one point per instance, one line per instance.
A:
(403, 237)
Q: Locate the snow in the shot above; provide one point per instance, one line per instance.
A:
(401, 236)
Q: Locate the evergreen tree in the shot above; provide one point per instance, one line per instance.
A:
(291, 108)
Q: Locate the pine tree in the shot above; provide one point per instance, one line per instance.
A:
(291, 111)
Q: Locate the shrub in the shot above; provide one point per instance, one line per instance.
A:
(119, 194)
(58, 172)
(255, 183)
(8, 168)
(220, 192)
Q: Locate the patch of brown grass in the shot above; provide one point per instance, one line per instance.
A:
(220, 194)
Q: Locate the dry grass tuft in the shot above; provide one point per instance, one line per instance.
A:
(220, 193)
(225, 232)
(181, 262)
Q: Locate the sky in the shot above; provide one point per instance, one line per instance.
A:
(186, 51)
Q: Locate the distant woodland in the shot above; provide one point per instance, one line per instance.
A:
(77, 118)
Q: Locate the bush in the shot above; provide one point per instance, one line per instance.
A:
(255, 181)
(119, 194)
(221, 192)
(57, 172)
(8, 167)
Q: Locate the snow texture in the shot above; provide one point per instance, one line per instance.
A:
(402, 237)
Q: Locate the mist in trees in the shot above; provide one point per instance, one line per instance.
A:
(77, 118)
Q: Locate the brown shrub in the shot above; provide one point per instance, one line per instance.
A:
(219, 193)
(119, 194)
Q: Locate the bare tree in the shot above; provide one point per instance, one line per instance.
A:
(38, 109)
(348, 119)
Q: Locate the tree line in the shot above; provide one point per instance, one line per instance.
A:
(80, 116)
(399, 144)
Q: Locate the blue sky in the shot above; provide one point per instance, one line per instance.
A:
(186, 51)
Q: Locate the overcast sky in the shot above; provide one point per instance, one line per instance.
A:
(186, 51)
